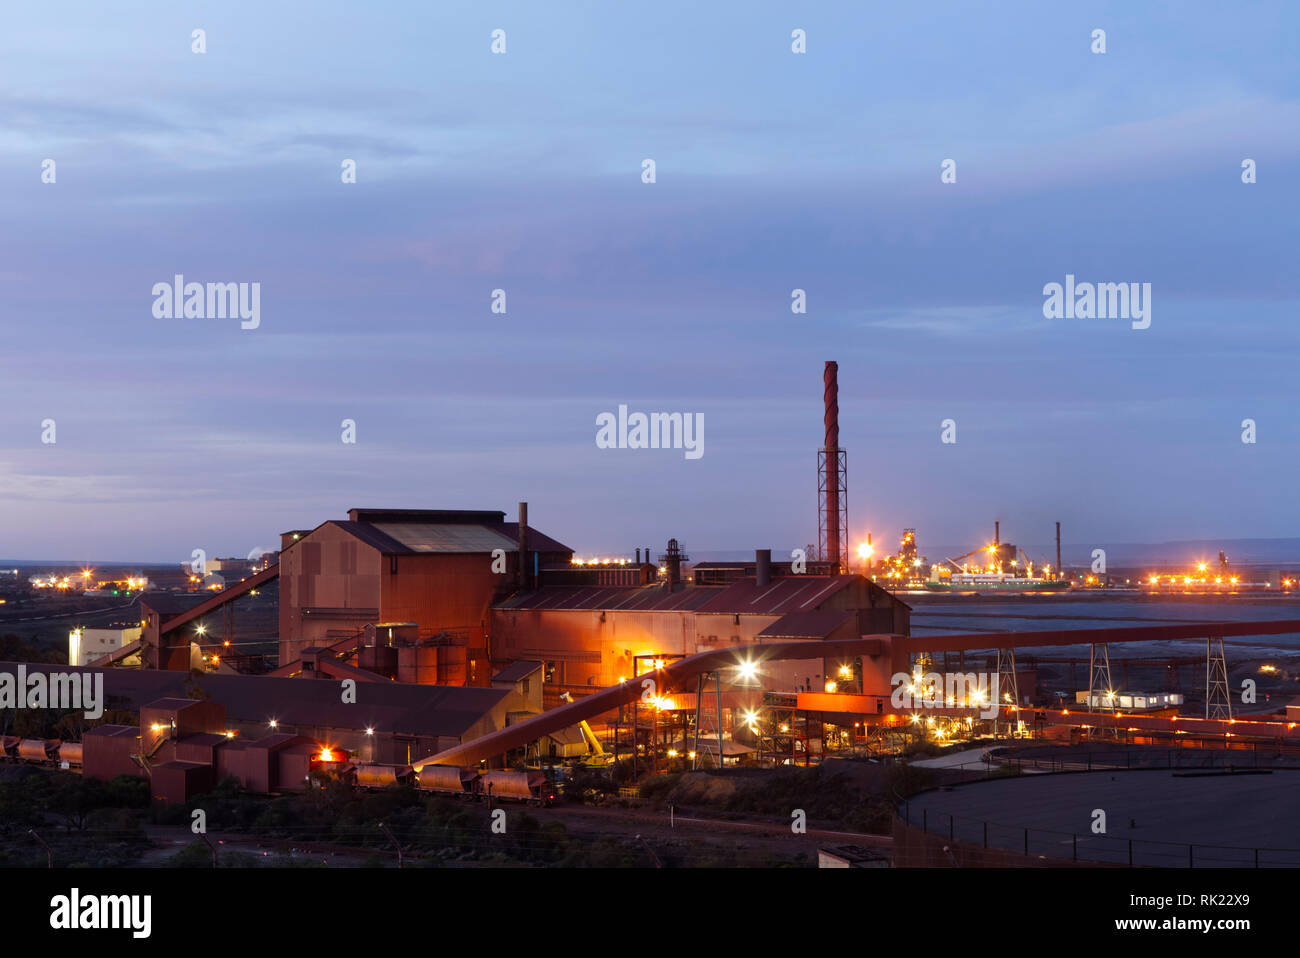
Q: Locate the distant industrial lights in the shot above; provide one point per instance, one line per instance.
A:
(370, 731)
(846, 672)
(273, 723)
(865, 550)
(201, 629)
(748, 670)
(831, 686)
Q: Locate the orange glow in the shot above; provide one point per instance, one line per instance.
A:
(326, 755)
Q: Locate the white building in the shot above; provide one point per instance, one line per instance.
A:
(87, 645)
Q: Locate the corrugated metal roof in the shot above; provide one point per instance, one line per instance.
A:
(370, 535)
(448, 537)
(517, 671)
(400, 537)
(537, 541)
(814, 624)
(793, 594)
(650, 598)
(386, 706)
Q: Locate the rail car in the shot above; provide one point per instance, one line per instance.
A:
(468, 784)
(40, 751)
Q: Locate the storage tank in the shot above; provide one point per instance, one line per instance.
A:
(446, 779)
(381, 776)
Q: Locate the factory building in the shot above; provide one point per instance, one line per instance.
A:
(438, 569)
(589, 637)
(388, 723)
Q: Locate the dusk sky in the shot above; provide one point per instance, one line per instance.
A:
(523, 171)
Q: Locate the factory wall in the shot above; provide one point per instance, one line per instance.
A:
(582, 650)
(444, 592)
(329, 587)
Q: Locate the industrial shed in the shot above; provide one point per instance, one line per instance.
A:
(434, 568)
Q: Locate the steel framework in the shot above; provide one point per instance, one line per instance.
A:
(1218, 699)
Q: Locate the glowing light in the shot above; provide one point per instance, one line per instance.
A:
(748, 669)
(370, 731)
(326, 755)
(846, 672)
(831, 686)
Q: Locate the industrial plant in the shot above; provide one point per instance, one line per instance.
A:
(471, 656)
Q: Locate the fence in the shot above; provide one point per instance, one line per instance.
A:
(1089, 848)
(1249, 756)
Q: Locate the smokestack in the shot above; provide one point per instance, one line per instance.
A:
(638, 556)
(830, 478)
(763, 566)
(523, 545)
(997, 535)
(1058, 550)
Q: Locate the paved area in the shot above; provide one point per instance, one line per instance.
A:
(1228, 820)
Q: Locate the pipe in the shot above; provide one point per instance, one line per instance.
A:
(763, 567)
(523, 545)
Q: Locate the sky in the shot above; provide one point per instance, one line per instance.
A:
(523, 171)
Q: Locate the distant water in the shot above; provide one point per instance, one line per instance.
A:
(950, 615)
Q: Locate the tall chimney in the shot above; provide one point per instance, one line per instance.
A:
(1058, 550)
(763, 566)
(997, 535)
(830, 465)
(638, 556)
(523, 545)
